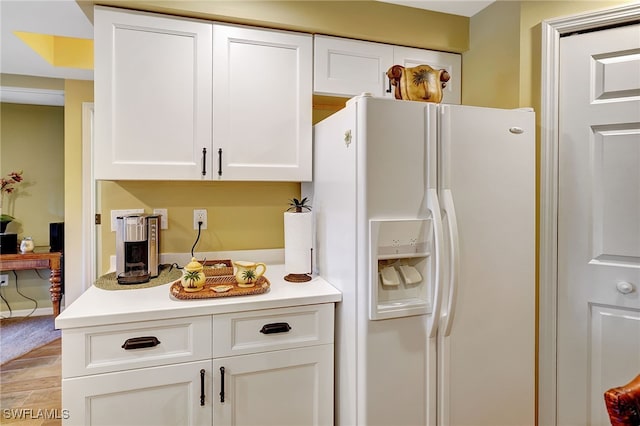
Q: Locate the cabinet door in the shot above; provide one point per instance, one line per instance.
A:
(262, 104)
(291, 387)
(156, 396)
(350, 67)
(152, 96)
(411, 57)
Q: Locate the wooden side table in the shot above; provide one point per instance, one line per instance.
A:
(47, 260)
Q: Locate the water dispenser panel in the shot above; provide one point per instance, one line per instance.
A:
(400, 267)
(402, 238)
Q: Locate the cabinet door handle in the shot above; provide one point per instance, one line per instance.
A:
(221, 384)
(140, 342)
(220, 162)
(275, 327)
(204, 161)
(202, 387)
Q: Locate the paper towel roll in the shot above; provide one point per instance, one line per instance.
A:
(298, 241)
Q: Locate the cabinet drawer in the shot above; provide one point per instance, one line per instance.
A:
(134, 345)
(272, 329)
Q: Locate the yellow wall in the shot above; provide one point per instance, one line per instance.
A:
(491, 66)
(502, 67)
(240, 215)
(32, 140)
(15, 80)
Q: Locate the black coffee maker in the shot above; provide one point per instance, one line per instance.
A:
(137, 248)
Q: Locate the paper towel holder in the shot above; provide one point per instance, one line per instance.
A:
(301, 278)
(298, 231)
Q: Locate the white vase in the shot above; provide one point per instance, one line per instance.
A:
(26, 245)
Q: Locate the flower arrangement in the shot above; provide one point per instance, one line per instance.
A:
(7, 186)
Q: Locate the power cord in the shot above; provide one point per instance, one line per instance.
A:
(8, 306)
(23, 295)
(197, 238)
(15, 274)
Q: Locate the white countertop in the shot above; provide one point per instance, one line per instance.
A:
(102, 307)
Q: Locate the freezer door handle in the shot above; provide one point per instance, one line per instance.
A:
(434, 206)
(454, 260)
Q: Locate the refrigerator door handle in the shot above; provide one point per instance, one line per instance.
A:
(434, 206)
(454, 260)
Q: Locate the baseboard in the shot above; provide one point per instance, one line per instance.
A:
(27, 312)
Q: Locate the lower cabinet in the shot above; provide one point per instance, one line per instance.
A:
(264, 367)
(157, 396)
(292, 387)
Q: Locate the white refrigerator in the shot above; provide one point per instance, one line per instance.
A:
(425, 220)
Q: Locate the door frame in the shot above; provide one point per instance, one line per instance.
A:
(89, 201)
(552, 30)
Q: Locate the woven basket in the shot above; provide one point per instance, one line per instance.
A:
(216, 268)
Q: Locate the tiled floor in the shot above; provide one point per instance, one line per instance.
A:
(30, 392)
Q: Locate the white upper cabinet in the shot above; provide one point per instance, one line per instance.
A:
(180, 98)
(262, 98)
(153, 103)
(350, 67)
(345, 67)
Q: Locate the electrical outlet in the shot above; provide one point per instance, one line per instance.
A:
(4, 280)
(200, 215)
(164, 217)
(116, 213)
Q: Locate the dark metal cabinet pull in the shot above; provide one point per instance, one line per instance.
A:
(221, 384)
(275, 327)
(140, 342)
(202, 387)
(220, 162)
(204, 161)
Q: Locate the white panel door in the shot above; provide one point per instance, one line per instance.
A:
(157, 396)
(350, 67)
(599, 220)
(262, 104)
(282, 388)
(452, 62)
(152, 96)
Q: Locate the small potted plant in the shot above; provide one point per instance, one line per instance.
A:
(298, 206)
(298, 240)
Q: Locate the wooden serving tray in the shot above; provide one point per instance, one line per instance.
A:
(262, 286)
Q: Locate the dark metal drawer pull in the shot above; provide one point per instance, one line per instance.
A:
(140, 342)
(202, 396)
(204, 161)
(221, 384)
(275, 327)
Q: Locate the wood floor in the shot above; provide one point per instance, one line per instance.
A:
(30, 391)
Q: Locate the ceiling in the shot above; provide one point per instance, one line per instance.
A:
(54, 17)
(65, 18)
(454, 7)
